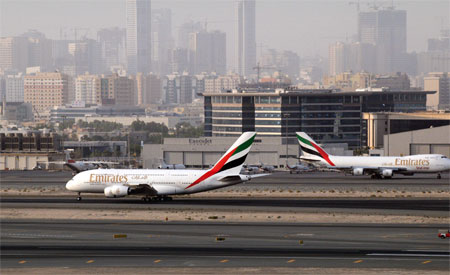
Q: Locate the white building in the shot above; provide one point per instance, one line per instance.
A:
(14, 88)
(246, 37)
(222, 83)
(138, 13)
(87, 89)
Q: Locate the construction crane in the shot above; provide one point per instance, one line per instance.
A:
(258, 68)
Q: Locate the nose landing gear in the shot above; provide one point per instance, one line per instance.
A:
(79, 196)
(439, 176)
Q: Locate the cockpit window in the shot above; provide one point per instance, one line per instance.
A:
(444, 157)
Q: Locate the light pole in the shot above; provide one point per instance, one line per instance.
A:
(286, 116)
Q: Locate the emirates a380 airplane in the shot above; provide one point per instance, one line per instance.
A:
(160, 184)
(377, 167)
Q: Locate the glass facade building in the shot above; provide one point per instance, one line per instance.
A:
(326, 115)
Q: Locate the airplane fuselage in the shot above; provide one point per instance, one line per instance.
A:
(165, 182)
(428, 163)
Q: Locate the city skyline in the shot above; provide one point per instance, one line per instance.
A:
(424, 20)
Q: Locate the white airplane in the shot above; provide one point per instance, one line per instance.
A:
(267, 168)
(251, 168)
(81, 165)
(160, 183)
(298, 168)
(164, 165)
(377, 167)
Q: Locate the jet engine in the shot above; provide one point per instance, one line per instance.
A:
(387, 173)
(117, 191)
(358, 171)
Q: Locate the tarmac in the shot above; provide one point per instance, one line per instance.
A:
(64, 243)
(123, 245)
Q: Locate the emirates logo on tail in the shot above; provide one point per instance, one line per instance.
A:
(309, 147)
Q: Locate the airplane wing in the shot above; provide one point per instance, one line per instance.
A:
(238, 178)
(258, 175)
(73, 167)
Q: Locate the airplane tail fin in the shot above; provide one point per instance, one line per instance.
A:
(231, 162)
(311, 150)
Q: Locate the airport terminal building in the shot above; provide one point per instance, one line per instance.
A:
(328, 116)
(206, 151)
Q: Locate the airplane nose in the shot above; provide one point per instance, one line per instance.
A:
(70, 185)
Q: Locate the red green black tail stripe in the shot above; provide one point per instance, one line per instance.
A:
(222, 165)
(320, 153)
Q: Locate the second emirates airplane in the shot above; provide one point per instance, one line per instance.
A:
(377, 167)
(159, 184)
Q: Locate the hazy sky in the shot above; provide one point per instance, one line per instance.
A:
(304, 26)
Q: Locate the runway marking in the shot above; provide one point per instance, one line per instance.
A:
(23, 235)
(156, 261)
(90, 261)
(408, 255)
(224, 261)
(426, 262)
(358, 261)
(291, 261)
(22, 262)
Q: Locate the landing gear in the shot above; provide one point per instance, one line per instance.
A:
(376, 176)
(439, 176)
(79, 196)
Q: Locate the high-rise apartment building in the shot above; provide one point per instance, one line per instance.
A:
(439, 82)
(170, 88)
(356, 57)
(149, 90)
(39, 50)
(185, 29)
(246, 37)
(139, 42)
(386, 29)
(123, 90)
(87, 89)
(85, 56)
(112, 47)
(208, 52)
(14, 88)
(46, 90)
(13, 53)
(185, 86)
(179, 60)
(162, 40)
(437, 58)
(178, 88)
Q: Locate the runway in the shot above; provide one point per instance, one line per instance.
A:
(228, 204)
(64, 243)
(76, 242)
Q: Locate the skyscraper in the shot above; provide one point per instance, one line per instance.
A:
(162, 39)
(208, 51)
(386, 29)
(246, 37)
(138, 36)
(112, 46)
